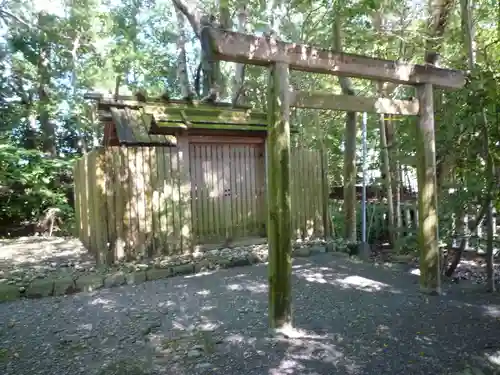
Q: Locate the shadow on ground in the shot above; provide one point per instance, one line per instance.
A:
(351, 319)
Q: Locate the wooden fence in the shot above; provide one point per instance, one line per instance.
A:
(378, 224)
(148, 201)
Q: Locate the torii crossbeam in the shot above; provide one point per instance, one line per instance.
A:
(281, 57)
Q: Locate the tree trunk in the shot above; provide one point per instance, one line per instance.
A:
(238, 93)
(468, 32)
(386, 174)
(350, 146)
(458, 254)
(396, 180)
(182, 71)
(463, 231)
(440, 11)
(209, 68)
(490, 272)
(47, 126)
(490, 194)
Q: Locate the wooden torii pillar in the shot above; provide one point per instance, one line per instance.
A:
(280, 57)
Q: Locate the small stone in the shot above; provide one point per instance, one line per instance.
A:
(141, 267)
(68, 339)
(193, 353)
(53, 264)
(79, 267)
(197, 255)
(202, 366)
(214, 252)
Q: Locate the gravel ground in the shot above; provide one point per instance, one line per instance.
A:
(354, 319)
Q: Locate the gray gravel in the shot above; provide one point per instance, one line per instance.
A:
(355, 319)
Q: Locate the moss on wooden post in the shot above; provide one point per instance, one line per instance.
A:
(430, 278)
(278, 198)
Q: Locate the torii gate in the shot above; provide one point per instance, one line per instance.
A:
(280, 57)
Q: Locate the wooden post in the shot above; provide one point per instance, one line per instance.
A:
(278, 199)
(430, 278)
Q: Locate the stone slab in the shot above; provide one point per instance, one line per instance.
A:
(89, 283)
(114, 279)
(136, 277)
(239, 262)
(40, 288)
(9, 292)
(158, 273)
(183, 269)
(64, 285)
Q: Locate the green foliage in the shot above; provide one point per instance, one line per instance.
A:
(31, 183)
(94, 45)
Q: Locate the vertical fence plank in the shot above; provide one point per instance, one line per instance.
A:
(253, 193)
(110, 194)
(101, 207)
(85, 199)
(90, 167)
(236, 173)
(247, 185)
(327, 230)
(77, 198)
(121, 204)
(219, 189)
(194, 185)
(149, 182)
(162, 210)
(155, 223)
(184, 195)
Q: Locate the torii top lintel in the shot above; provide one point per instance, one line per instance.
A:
(253, 50)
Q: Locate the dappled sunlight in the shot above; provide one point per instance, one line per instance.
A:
(104, 303)
(494, 358)
(239, 339)
(491, 310)
(204, 292)
(324, 275)
(253, 287)
(304, 347)
(362, 283)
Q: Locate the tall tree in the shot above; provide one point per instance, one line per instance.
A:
(350, 143)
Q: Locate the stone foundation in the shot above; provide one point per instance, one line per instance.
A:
(64, 280)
